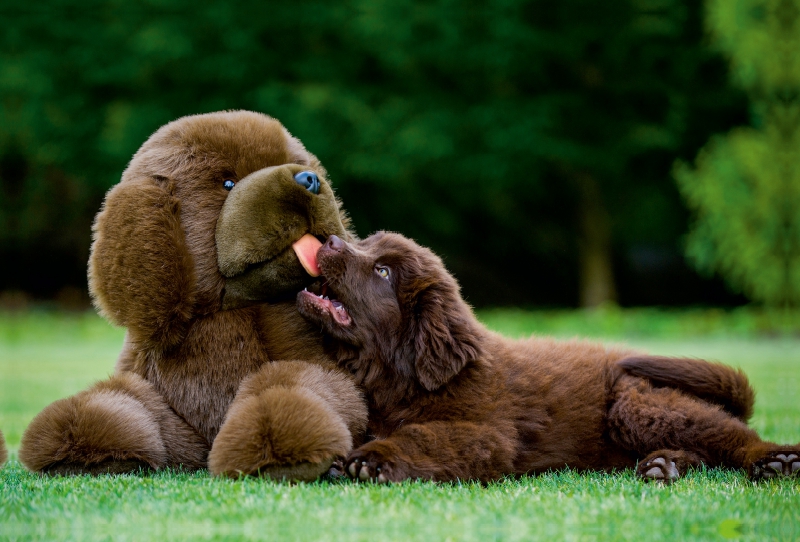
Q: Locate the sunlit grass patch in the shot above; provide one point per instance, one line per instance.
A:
(46, 356)
(559, 506)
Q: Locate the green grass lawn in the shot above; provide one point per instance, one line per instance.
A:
(45, 356)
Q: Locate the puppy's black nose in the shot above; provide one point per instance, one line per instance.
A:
(334, 243)
(308, 180)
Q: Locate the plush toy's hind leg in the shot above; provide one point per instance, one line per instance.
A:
(674, 431)
(290, 420)
(119, 425)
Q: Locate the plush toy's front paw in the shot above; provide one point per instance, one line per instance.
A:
(373, 463)
(94, 432)
(280, 433)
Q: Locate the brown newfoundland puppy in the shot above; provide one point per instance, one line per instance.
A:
(450, 400)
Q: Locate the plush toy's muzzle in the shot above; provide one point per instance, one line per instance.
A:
(264, 214)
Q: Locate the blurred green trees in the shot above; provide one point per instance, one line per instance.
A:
(527, 141)
(746, 185)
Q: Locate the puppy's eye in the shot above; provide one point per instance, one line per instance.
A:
(382, 271)
(227, 184)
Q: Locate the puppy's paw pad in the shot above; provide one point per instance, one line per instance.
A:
(659, 469)
(776, 465)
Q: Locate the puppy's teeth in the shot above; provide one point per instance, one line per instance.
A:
(326, 298)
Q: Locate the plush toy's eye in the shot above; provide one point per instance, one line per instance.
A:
(308, 180)
(382, 271)
(228, 184)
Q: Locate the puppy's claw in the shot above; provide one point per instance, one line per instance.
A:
(363, 474)
(352, 469)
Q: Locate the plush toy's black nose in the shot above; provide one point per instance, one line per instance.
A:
(308, 180)
(334, 243)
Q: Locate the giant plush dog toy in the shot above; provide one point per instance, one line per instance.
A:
(215, 223)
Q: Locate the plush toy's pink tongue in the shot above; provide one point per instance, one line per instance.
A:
(306, 249)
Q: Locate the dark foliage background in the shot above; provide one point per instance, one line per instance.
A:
(529, 142)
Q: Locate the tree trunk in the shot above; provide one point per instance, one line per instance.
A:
(594, 245)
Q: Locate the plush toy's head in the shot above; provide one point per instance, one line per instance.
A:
(205, 219)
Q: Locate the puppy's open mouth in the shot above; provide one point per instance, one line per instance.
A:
(323, 304)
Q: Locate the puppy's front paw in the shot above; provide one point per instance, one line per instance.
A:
(371, 465)
(336, 470)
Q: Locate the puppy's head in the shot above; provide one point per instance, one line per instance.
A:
(395, 301)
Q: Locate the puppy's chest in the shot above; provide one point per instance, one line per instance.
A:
(387, 416)
(383, 422)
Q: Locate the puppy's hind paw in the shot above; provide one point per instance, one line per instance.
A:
(667, 465)
(659, 470)
(776, 464)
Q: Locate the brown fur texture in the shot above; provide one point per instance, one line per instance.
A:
(3, 450)
(202, 277)
(451, 400)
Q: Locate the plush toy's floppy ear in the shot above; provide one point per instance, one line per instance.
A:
(447, 337)
(140, 273)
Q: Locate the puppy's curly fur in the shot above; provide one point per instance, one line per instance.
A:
(450, 400)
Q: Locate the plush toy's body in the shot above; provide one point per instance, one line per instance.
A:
(193, 254)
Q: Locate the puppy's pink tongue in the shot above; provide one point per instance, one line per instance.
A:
(306, 249)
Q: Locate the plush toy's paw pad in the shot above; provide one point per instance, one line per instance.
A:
(776, 465)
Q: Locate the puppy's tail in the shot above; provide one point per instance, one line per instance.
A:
(712, 382)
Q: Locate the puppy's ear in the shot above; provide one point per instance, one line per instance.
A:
(140, 273)
(447, 335)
